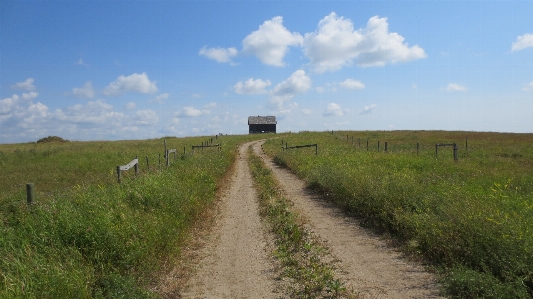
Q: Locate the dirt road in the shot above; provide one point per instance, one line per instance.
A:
(236, 261)
(367, 264)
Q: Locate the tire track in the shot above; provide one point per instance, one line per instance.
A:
(366, 264)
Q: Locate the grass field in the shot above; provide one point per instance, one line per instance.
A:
(88, 236)
(472, 219)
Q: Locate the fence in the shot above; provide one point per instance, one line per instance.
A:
(133, 163)
(387, 148)
(287, 147)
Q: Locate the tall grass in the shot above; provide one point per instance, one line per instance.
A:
(472, 218)
(89, 237)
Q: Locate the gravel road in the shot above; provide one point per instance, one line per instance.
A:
(367, 265)
(235, 259)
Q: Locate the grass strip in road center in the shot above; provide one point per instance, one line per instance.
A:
(302, 258)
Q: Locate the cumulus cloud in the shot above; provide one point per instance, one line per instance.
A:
(190, 111)
(352, 84)
(160, 98)
(528, 87)
(368, 109)
(251, 86)
(87, 91)
(146, 118)
(307, 111)
(297, 83)
(26, 85)
(333, 110)
(336, 43)
(130, 106)
(455, 87)
(270, 43)
(219, 54)
(30, 95)
(96, 112)
(282, 93)
(134, 82)
(522, 42)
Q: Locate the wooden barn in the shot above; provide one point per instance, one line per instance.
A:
(262, 124)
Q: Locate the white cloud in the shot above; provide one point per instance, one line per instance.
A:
(131, 106)
(160, 98)
(297, 83)
(211, 105)
(270, 43)
(30, 95)
(146, 118)
(333, 110)
(352, 84)
(528, 87)
(455, 87)
(81, 62)
(7, 104)
(97, 112)
(319, 89)
(368, 109)
(335, 44)
(87, 91)
(522, 42)
(26, 85)
(219, 54)
(306, 111)
(189, 111)
(251, 86)
(134, 82)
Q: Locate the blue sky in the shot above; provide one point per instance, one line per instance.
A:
(110, 70)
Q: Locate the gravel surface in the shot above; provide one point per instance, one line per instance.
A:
(234, 259)
(236, 262)
(367, 265)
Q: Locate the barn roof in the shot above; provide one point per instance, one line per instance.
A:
(262, 120)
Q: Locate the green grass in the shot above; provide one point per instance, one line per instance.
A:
(472, 218)
(300, 254)
(88, 236)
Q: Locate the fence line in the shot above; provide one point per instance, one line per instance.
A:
(301, 146)
(133, 163)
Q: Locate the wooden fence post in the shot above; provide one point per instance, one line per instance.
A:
(136, 165)
(455, 152)
(436, 150)
(386, 143)
(167, 159)
(159, 161)
(417, 147)
(30, 196)
(367, 144)
(147, 165)
(378, 146)
(165, 143)
(184, 151)
(118, 174)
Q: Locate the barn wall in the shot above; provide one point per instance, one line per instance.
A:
(266, 128)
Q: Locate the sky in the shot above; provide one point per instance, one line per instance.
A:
(115, 70)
